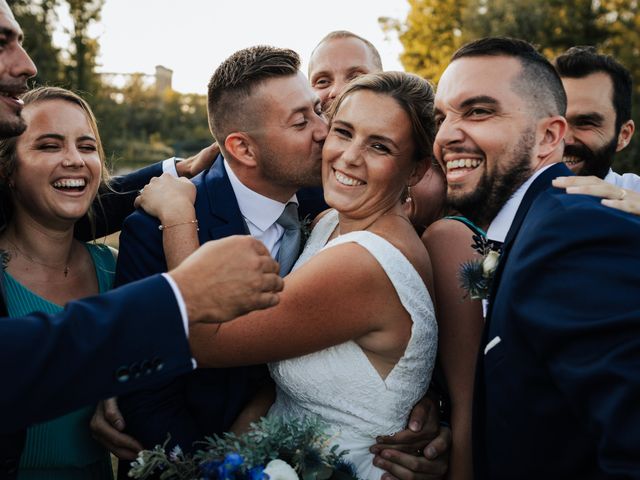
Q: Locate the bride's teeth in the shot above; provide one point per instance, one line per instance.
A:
(343, 179)
(69, 183)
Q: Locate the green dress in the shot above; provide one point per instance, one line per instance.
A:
(62, 448)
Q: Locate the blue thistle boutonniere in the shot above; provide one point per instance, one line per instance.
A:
(305, 229)
(476, 276)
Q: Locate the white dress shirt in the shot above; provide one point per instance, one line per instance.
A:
(501, 224)
(630, 181)
(260, 213)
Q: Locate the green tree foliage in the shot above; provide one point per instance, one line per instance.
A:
(80, 68)
(137, 124)
(431, 33)
(140, 125)
(433, 30)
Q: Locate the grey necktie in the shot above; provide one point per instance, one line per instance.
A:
(290, 241)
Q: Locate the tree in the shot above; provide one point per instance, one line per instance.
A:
(83, 49)
(431, 33)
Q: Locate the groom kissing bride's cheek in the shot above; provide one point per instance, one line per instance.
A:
(353, 339)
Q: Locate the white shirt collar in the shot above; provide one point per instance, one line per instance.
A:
(501, 224)
(256, 208)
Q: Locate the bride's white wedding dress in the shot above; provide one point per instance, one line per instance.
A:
(339, 384)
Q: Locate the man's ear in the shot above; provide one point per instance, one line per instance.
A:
(552, 130)
(624, 137)
(242, 148)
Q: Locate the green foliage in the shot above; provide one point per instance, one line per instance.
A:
(300, 443)
(431, 33)
(80, 68)
(137, 125)
(434, 29)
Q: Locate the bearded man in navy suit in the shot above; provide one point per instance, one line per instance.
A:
(558, 384)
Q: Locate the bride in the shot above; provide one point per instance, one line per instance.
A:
(353, 339)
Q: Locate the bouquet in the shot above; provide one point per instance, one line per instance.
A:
(274, 448)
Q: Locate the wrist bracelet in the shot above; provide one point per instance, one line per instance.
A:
(194, 222)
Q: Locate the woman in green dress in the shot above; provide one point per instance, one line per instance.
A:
(49, 177)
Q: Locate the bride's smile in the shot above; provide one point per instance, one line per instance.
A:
(367, 156)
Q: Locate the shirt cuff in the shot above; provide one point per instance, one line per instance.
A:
(182, 307)
(169, 166)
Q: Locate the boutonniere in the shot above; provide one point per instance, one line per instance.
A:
(305, 229)
(476, 276)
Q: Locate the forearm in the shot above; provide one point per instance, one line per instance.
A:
(460, 465)
(257, 408)
(179, 237)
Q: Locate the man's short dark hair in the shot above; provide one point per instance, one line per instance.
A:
(234, 81)
(538, 81)
(581, 61)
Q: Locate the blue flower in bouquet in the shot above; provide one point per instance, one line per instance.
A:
(257, 473)
(229, 466)
(222, 470)
(273, 449)
(209, 470)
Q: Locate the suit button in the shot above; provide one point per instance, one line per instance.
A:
(122, 374)
(135, 370)
(157, 363)
(9, 466)
(146, 367)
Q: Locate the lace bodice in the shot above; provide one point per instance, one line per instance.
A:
(339, 384)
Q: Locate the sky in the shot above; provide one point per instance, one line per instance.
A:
(192, 37)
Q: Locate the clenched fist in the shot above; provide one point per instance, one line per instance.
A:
(227, 278)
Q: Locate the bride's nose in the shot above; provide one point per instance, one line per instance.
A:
(353, 153)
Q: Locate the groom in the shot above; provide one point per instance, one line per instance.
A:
(558, 383)
(271, 133)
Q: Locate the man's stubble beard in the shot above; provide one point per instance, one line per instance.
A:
(596, 162)
(11, 127)
(281, 175)
(483, 204)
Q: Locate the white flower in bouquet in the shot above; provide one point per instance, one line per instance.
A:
(280, 470)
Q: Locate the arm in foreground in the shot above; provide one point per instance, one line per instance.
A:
(114, 205)
(460, 326)
(91, 343)
(171, 200)
(612, 195)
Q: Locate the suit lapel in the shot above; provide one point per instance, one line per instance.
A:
(539, 185)
(216, 205)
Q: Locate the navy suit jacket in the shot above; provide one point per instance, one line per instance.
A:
(110, 211)
(205, 401)
(53, 364)
(558, 396)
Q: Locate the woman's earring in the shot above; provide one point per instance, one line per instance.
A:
(408, 197)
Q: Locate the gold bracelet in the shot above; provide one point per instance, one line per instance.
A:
(194, 222)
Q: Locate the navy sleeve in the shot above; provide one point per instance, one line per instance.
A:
(112, 207)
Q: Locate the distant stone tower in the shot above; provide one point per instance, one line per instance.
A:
(163, 79)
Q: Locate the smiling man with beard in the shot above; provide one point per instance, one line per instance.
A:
(599, 91)
(557, 384)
